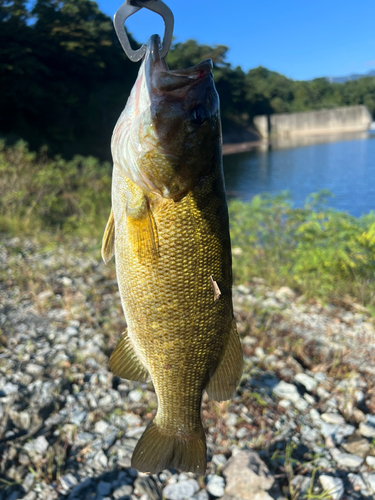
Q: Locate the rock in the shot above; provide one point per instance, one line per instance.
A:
(30, 496)
(308, 382)
(332, 486)
(34, 369)
(271, 303)
(346, 459)
(285, 293)
(201, 495)
(181, 490)
(77, 417)
(100, 461)
(68, 482)
(357, 482)
(219, 460)
(286, 391)
(241, 433)
(370, 479)
(259, 353)
(367, 430)
(147, 486)
(103, 488)
(333, 418)
(301, 485)
(8, 389)
(215, 485)
(359, 447)
(123, 491)
(246, 475)
(322, 393)
(41, 445)
(301, 404)
(101, 426)
(231, 419)
(28, 481)
(370, 461)
(135, 396)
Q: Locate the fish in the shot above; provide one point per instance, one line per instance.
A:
(169, 232)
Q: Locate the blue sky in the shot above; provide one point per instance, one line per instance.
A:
(300, 39)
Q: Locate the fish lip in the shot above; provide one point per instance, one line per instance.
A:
(161, 78)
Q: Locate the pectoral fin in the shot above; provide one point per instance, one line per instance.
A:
(142, 230)
(224, 381)
(108, 244)
(125, 363)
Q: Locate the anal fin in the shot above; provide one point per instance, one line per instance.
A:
(108, 244)
(124, 362)
(224, 381)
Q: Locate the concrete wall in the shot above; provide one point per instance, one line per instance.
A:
(348, 119)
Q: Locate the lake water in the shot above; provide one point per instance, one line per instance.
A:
(344, 164)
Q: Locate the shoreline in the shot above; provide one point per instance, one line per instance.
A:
(241, 147)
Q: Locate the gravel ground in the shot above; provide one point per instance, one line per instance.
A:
(302, 424)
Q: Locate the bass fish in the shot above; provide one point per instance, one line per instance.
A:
(169, 231)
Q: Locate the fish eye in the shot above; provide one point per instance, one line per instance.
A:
(199, 114)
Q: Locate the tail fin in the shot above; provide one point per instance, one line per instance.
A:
(157, 451)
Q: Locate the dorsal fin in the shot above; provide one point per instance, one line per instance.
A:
(108, 244)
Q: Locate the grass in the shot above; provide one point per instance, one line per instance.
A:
(320, 252)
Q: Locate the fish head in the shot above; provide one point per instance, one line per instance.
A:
(169, 134)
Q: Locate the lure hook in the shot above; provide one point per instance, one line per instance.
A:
(130, 7)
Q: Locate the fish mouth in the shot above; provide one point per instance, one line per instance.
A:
(161, 78)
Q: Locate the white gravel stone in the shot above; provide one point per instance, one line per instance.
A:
(367, 430)
(259, 353)
(40, 445)
(9, 388)
(370, 461)
(370, 479)
(68, 481)
(181, 490)
(241, 433)
(320, 376)
(357, 481)
(315, 415)
(322, 393)
(219, 459)
(101, 426)
(215, 485)
(346, 459)
(34, 369)
(333, 418)
(308, 382)
(286, 391)
(310, 399)
(285, 293)
(284, 403)
(232, 419)
(332, 485)
(135, 396)
(271, 303)
(301, 404)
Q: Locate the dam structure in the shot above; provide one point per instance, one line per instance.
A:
(325, 121)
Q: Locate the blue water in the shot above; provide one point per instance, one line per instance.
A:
(345, 167)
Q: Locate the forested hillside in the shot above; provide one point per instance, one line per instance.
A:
(64, 79)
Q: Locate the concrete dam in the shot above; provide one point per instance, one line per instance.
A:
(325, 121)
